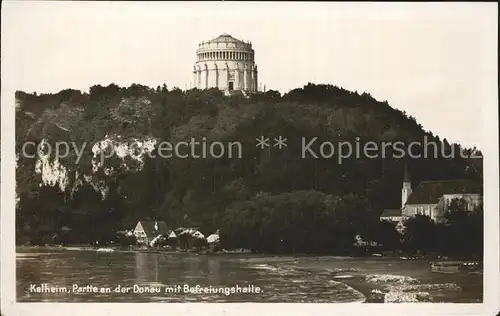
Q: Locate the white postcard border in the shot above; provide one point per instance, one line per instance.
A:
(9, 307)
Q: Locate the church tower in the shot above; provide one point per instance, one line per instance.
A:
(406, 191)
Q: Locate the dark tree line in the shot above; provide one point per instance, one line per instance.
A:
(322, 201)
(460, 235)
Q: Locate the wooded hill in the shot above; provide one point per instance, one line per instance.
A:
(268, 192)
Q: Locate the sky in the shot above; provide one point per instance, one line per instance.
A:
(436, 61)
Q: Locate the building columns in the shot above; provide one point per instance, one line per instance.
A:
(198, 78)
(237, 77)
(227, 76)
(251, 84)
(256, 80)
(217, 68)
(205, 86)
(245, 77)
(195, 78)
(216, 73)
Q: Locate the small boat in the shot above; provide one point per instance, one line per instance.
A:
(473, 267)
(445, 267)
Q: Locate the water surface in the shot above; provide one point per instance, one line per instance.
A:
(172, 277)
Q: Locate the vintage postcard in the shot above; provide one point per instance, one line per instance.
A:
(226, 157)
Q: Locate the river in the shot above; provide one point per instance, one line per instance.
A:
(45, 275)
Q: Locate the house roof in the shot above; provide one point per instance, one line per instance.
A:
(150, 229)
(213, 238)
(194, 232)
(197, 234)
(391, 213)
(429, 192)
(185, 230)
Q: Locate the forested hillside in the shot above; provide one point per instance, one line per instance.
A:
(273, 193)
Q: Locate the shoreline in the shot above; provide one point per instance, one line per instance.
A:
(58, 248)
(123, 250)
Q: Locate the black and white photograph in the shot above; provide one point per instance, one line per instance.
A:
(247, 153)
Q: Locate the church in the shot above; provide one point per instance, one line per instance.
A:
(431, 198)
(226, 63)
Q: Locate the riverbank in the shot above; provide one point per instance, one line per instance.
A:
(23, 249)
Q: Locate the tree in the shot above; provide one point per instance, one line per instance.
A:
(464, 228)
(388, 236)
(420, 234)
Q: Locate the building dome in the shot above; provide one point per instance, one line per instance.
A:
(224, 38)
(225, 63)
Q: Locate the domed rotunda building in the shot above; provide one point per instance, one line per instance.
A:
(225, 63)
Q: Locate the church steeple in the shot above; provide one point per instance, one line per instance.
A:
(407, 175)
(406, 190)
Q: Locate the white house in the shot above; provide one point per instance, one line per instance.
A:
(146, 231)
